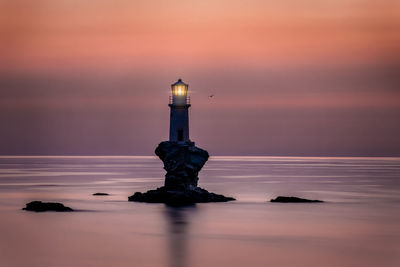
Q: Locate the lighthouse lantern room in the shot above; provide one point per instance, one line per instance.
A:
(179, 103)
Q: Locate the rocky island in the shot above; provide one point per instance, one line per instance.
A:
(182, 161)
(100, 194)
(282, 199)
(40, 206)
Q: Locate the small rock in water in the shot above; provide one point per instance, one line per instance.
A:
(100, 194)
(40, 206)
(282, 199)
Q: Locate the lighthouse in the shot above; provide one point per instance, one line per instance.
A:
(182, 159)
(179, 102)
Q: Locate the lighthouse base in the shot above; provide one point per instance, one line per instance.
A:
(182, 161)
(178, 197)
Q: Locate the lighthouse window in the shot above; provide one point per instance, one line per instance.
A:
(180, 135)
(179, 90)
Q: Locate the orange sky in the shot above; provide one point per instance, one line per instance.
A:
(313, 64)
(183, 34)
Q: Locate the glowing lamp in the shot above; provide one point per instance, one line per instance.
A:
(179, 88)
(179, 93)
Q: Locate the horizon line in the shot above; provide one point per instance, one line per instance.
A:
(217, 156)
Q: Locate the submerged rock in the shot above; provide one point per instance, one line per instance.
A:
(101, 194)
(40, 206)
(282, 199)
(182, 161)
(178, 197)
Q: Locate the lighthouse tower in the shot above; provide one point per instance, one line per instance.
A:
(179, 102)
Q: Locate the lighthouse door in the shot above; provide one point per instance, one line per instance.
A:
(180, 135)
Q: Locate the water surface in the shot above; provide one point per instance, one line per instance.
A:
(357, 226)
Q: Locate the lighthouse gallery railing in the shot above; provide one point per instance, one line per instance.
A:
(171, 100)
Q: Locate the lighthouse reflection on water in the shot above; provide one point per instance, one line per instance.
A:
(178, 229)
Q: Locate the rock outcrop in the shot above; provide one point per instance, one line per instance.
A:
(40, 206)
(182, 161)
(282, 199)
(178, 197)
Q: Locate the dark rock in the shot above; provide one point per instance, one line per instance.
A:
(178, 197)
(282, 199)
(182, 163)
(40, 206)
(100, 194)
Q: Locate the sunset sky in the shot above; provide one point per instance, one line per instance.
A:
(289, 77)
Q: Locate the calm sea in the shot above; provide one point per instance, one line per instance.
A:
(359, 225)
